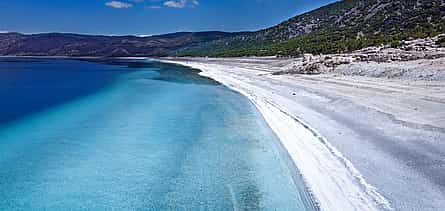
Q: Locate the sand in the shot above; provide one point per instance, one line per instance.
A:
(361, 142)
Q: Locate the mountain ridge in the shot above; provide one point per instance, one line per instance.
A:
(71, 44)
(342, 26)
(339, 27)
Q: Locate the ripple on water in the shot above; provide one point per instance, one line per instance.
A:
(147, 136)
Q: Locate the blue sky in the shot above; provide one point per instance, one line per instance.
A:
(147, 17)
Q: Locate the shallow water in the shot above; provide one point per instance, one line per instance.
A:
(134, 135)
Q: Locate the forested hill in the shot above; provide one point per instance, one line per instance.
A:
(339, 27)
(61, 44)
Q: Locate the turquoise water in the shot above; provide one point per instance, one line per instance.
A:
(132, 135)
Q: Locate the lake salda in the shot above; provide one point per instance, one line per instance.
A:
(135, 135)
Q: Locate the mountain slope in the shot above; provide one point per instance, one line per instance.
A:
(342, 26)
(59, 44)
(339, 27)
(365, 16)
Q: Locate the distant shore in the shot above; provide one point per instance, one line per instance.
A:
(75, 57)
(361, 141)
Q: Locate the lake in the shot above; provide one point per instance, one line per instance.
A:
(135, 135)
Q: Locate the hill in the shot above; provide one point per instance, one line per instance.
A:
(60, 44)
(339, 27)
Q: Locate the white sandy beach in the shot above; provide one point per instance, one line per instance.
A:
(361, 143)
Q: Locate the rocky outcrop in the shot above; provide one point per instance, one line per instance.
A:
(311, 65)
(420, 50)
(427, 48)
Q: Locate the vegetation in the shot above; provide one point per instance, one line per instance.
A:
(343, 26)
(340, 27)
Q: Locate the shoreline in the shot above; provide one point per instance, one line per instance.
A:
(386, 130)
(332, 180)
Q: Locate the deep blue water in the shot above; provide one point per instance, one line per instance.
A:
(134, 135)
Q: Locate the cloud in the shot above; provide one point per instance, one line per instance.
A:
(166, 3)
(195, 2)
(144, 35)
(181, 3)
(175, 4)
(152, 7)
(119, 4)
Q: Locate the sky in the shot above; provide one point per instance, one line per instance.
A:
(147, 17)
